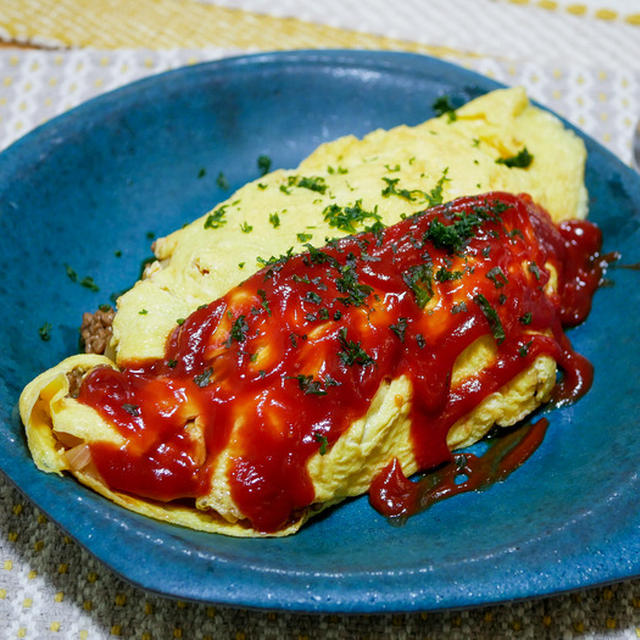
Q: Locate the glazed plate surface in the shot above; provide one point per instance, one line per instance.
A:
(126, 166)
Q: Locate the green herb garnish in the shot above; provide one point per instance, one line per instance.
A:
(419, 279)
(238, 331)
(533, 268)
(264, 303)
(313, 297)
(352, 352)
(314, 183)
(316, 256)
(443, 105)
(131, 409)
(204, 378)
(521, 160)
(496, 275)
(89, 283)
(274, 262)
(45, 332)
(222, 181)
(348, 283)
(274, 219)
(346, 218)
(453, 237)
(408, 194)
(524, 349)
(216, 218)
(492, 317)
(264, 164)
(71, 274)
(309, 386)
(444, 275)
(434, 197)
(399, 328)
(324, 443)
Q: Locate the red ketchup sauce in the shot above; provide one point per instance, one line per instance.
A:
(393, 494)
(278, 368)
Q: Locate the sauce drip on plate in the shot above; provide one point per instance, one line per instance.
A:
(275, 371)
(397, 497)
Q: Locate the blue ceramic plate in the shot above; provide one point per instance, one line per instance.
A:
(104, 177)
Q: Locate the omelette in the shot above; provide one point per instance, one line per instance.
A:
(388, 301)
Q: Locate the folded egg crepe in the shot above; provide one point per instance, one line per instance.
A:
(388, 301)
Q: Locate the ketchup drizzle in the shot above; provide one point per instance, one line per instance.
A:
(278, 368)
(397, 497)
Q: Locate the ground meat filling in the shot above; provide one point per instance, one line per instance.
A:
(75, 377)
(96, 330)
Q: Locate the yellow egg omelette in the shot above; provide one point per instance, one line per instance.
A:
(270, 361)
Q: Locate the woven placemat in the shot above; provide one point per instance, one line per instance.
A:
(51, 588)
(590, 33)
(167, 24)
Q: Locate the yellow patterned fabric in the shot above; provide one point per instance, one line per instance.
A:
(111, 24)
(626, 12)
(165, 24)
